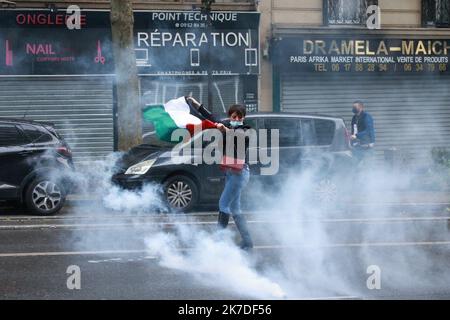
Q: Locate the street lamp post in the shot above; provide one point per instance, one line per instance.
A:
(206, 9)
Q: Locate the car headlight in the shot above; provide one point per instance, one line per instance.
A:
(141, 167)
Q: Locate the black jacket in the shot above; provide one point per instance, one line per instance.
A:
(243, 128)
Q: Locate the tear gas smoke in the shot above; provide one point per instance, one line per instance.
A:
(317, 252)
(93, 180)
(213, 260)
(311, 259)
(314, 258)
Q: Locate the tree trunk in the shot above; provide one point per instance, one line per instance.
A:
(127, 83)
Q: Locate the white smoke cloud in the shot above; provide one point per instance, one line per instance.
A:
(310, 257)
(214, 260)
(133, 201)
(93, 180)
(305, 261)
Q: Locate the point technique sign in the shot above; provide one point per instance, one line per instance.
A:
(174, 43)
(40, 42)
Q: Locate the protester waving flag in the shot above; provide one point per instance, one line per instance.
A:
(175, 114)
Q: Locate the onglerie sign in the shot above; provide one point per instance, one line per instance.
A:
(362, 55)
(37, 42)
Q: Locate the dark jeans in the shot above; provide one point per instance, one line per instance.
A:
(363, 154)
(230, 200)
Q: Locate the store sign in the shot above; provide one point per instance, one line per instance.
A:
(38, 42)
(181, 43)
(35, 42)
(356, 55)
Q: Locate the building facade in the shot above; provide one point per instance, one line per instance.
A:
(314, 56)
(321, 55)
(67, 76)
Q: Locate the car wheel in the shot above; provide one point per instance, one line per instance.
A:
(180, 193)
(44, 196)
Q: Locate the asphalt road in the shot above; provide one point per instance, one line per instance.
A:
(307, 258)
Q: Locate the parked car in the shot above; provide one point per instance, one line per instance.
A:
(35, 163)
(305, 141)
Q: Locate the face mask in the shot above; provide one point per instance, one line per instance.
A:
(354, 110)
(236, 123)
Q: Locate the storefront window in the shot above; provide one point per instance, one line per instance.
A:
(436, 13)
(227, 90)
(346, 12)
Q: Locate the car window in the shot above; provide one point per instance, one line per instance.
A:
(308, 132)
(324, 131)
(10, 136)
(252, 122)
(289, 130)
(317, 132)
(53, 132)
(36, 135)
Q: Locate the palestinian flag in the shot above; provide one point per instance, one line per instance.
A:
(175, 114)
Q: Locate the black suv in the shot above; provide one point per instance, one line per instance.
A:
(35, 163)
(305, 141)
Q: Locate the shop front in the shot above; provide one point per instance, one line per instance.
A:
(50, 73)
(176, 51)
(403, 82)
(53, 74)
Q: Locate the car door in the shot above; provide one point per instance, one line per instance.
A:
(13, 160)
(254, 166)
(213, 179)
(317, 136)
(288, 147)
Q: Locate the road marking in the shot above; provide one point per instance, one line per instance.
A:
(400, 204)
(155, 216)
(171, 224)
(105, 216)
(121, 260)
(363, 220)
(67, 216)
(371, 220)
(367, 244)
(136, 224)
(68, 253)
(336, 245)
(106, 260)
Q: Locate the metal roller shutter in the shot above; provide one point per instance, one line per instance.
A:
(80, 108)
(411, 113)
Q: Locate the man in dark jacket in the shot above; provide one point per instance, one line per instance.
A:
(363, 131)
